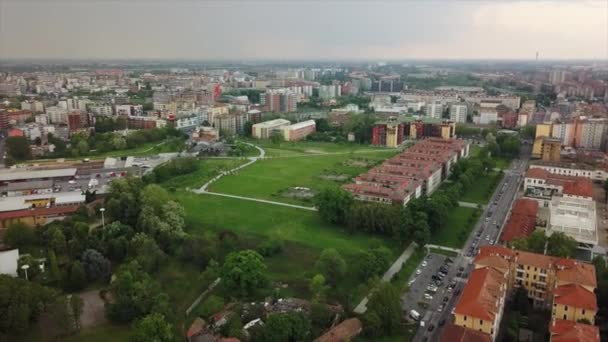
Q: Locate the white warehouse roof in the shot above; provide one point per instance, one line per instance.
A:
(35, 174)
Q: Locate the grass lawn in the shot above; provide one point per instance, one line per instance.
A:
(309, 147)
(503, 162)
(482, 190)
(457, 230)
(208, 168)
(303, 233)
(207, 212)
(270, 178)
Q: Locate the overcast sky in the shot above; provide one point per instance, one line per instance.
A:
(291, 29)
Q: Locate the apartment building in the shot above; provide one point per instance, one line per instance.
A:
(541, 184)
(458, 112)
(482, 302)
(299, 131)
(279, 100)
(231, 123)
(564, 285)
(569, 331)
(521, 221)
(416, 171)
(434, 110)
(393, 132)
(551, 149)
(571, 169)
(264, 130)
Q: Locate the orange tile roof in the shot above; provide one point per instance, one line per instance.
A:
(537, 173)
(569, 331)
(456, 333)
(481, 294)
(493, 261)
(567, 271)
(342, 332)
(575, 272)
(522, 221)
(575, 295)
(495, 250)
(581, 187)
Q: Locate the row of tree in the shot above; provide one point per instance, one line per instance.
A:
(558, 244)
(416, 221)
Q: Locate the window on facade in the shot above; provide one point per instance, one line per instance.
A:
(528, 267)
(565, 317)
(480, 322)
(583, 312)
(465, 318)
(566, 308)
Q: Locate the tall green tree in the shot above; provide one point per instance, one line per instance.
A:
(243, 272)
(333, 204)
(18, 148)
(331, 265)
(19, 235)
(153, 327)
(281, 327)
(385, 303)
(561, 245)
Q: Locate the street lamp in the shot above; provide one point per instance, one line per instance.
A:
(103, 222)
(24, 268)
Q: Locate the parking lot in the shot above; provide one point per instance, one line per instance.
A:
(430, 289)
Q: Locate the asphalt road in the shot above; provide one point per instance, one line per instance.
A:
(486, 231)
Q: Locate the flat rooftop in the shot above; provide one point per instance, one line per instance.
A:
(13, 175)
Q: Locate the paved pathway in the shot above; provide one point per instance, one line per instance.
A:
(455, 250)
(388, 275)
(259, 200)
(470, 205)
(203, 189)
(202, 295)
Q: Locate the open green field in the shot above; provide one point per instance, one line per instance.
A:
(503, 162)
(208, 168)
(482, 190)
(273, 178)
(457, 230)
(303, 232)
(261, 220)
(299, 148)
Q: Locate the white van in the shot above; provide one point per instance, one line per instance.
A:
(414, 315)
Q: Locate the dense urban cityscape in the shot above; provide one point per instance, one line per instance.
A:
(301, 199)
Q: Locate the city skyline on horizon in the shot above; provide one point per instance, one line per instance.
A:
(273, 31)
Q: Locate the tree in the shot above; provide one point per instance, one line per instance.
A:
(333, 204)
(292, 326)
(57, 240)
(137, 295)
(66, 312)
(147, 253)
(18, 148)
(153, 327)
(385, 303)
(373, 262)
(561, 245)
(53, 266)
(243, 272)
(318, 288)
(247, 127)
(76, 277)
(96, 266)
(21, 303)
(276, 137)
(82, 147)
(331, 265)
(19, 235)
(122, 201)
(535, 242)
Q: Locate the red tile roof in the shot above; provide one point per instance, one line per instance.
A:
(567, 271)
(522, 221)
(342, 332)
(576, 296)
(456, 333)
(581, 187)
(481, 294)
(569, 331)
(39, 212)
